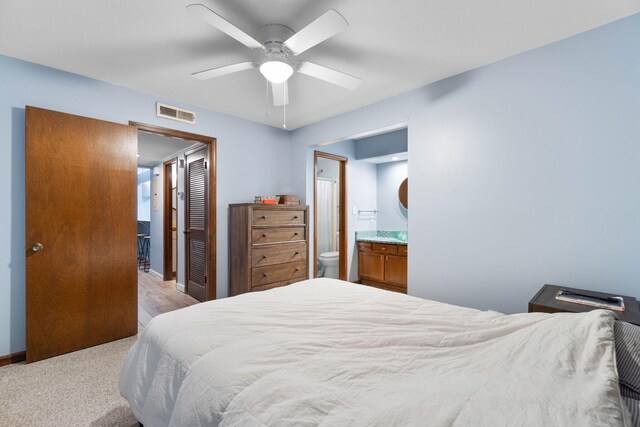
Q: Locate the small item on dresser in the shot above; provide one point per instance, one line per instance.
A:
(266, 200)
(288, 199)
(608, 303)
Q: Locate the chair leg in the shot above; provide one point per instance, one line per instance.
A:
(146, 256)
(140, 244)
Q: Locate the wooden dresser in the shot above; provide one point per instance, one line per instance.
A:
(383, 265)
(268, 246)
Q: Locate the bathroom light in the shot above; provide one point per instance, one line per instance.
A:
(276, 71)
(394, 158)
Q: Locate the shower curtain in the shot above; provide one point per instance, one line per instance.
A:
(325, 211)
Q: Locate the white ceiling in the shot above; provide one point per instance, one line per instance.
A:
(153, 148)
(389, 158)
(393, 46)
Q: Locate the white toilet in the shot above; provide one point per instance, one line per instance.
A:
(329, 261)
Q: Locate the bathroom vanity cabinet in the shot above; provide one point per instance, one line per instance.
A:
(383, 265)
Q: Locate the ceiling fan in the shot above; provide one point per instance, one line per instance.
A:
(279, 43)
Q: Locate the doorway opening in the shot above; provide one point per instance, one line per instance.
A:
(176, 192)
(377, 229)
(330, 216)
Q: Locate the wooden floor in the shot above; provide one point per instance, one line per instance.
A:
(156, 297)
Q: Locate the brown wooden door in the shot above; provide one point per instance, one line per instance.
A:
(196, 224)
(80, 232)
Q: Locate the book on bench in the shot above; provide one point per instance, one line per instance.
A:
(608, 303)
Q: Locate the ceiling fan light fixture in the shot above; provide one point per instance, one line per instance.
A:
(276, 71)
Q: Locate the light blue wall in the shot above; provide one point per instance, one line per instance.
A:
(391, 214)
(156, 243)
(382, 145)
(249, 161)
(144, 194)
(523, 172)
(361, 192)
(328, 168)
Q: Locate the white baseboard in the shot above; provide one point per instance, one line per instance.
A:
(155, 273)
(180, 287)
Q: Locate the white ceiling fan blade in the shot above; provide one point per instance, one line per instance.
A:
(217, 21)
(327, 25)
(221, 71)
(327, 74)
(280, 92)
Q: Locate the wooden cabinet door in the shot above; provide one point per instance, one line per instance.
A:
(395, 269)
(371, 266)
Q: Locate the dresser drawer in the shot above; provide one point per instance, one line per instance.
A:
(276, 217)
(381, 248)
(278, 273)
(269, 255)
(278, 235)
(275, 285)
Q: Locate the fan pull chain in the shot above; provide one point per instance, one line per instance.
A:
(284, 105)
(266, 104)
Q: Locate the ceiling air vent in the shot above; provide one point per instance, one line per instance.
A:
(174, 113)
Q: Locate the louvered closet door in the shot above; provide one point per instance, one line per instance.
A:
(196, 224)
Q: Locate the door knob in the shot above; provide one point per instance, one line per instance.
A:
(37, 247)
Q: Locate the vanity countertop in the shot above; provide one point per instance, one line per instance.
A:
(383, 236)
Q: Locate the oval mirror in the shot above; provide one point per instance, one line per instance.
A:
(402, 193)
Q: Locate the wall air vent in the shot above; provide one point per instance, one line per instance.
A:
(175, 113)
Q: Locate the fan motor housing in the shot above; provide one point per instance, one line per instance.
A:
(273, 36)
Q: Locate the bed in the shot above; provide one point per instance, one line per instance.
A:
(331, 353)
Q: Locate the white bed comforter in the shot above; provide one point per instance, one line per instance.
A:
(325, 352)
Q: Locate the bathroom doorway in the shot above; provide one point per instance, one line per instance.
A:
(330, 216)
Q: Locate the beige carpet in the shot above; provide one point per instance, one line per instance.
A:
(76, 389)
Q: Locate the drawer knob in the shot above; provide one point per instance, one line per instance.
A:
(264, 275)
(295, 217)
(264, 257)
(263, 217)
(297, 269)
(264, 235)
(295, 234)
(297, 253)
